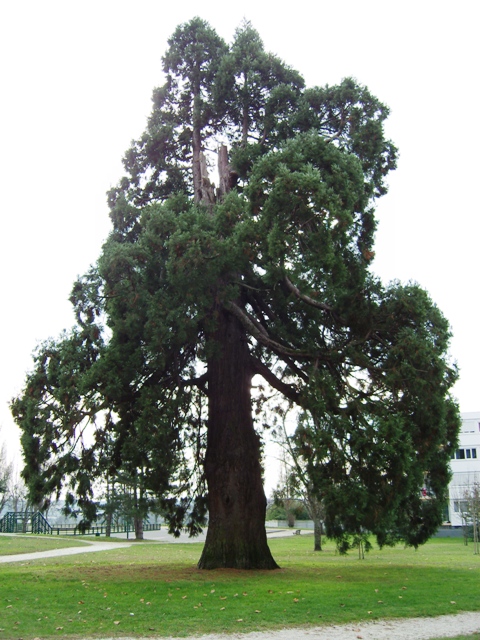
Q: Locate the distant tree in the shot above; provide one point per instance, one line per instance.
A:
(17, 494)
(470, 511)
(6, 475)
(200, 288)
(299, 485)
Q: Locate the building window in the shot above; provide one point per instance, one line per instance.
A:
(460, 506)
(463, 454)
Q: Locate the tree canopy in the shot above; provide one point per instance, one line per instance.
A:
(200, 287)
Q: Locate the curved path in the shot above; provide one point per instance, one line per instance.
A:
(87, 546)
(410, 629)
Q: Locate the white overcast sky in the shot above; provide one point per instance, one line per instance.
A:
(76, 80)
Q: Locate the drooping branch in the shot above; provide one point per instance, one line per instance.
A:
(285, 389)
(261, 335)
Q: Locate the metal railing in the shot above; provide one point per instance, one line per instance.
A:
(35, 522)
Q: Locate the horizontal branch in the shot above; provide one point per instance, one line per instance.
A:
(197, 382)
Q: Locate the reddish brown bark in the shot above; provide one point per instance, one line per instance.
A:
(236, 534)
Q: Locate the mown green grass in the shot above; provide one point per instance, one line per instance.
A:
(156, 589)
(10, 545)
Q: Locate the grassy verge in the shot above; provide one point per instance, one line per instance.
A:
(10, 545)
(155, 589)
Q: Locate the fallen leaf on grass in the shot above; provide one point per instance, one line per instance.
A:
(222, 608)
(184, 597)
(295, 599)
(240, 620)
(223, 597)
(58, 628)
(116, 622)
(257, 611)
(244, 593)
(452, 602)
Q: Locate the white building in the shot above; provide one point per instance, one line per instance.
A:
(465, 466)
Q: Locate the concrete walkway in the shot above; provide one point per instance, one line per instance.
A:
(86, 547)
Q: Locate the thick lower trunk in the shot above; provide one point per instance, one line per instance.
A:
(236, 536)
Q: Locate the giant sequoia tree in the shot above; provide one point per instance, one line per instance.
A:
(200, 288)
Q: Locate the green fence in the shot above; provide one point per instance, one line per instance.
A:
(35, 522)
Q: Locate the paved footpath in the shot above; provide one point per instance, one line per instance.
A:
(86, 547)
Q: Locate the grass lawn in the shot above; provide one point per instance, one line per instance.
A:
(155, 589)
(10, 545)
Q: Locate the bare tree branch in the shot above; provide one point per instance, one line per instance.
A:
(310, 301)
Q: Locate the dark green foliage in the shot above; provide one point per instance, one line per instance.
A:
(273, 267)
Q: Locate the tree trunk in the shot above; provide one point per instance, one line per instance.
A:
(138, 524)
(236, 536)
(108, 525)
(317, 535)
(196, 164)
